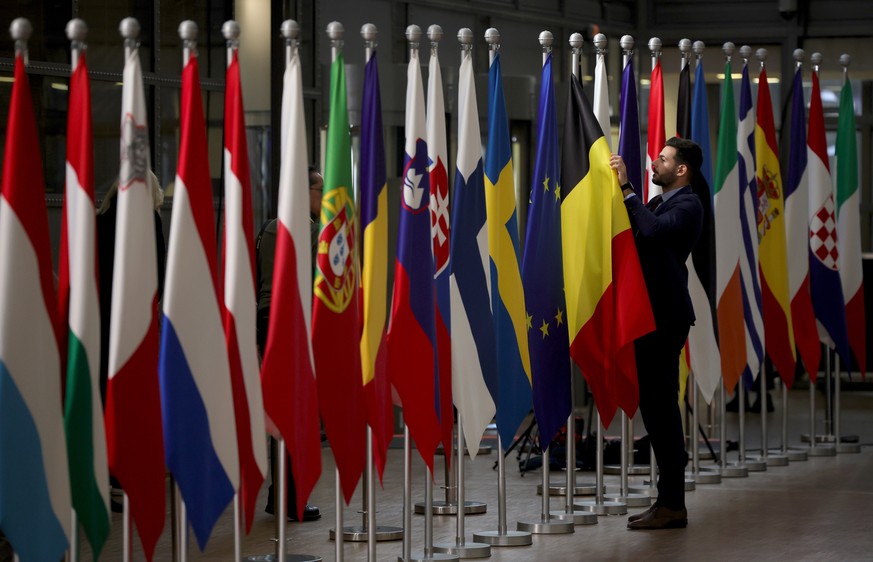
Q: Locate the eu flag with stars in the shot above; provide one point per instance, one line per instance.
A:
(542, 276)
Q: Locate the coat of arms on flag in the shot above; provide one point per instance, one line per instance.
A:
(335, 276)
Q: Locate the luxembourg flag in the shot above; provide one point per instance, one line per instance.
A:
(34, 482)
(194, 372)
(239, 297)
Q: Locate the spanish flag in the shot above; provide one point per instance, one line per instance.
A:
(772, 260)
(607, 300)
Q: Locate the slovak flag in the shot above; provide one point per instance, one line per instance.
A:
(412, 360)
(196, 396)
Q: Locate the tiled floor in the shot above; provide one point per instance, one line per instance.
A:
(821, 509)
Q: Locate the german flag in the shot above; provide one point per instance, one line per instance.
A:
(607, 301)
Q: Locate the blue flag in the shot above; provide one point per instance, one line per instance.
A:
(629, 128)
(700, 122)
(507, 294)
(542, 275)
(752, 299)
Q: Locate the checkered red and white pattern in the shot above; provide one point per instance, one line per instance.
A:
(823, 234)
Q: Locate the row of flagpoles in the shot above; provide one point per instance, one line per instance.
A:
(476, 321)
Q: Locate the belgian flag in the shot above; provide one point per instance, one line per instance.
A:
(607, 301)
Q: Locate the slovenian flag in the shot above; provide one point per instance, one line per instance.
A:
(34, 481)
(195, 377)
(412, 358)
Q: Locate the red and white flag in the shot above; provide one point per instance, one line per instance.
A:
(240, 298)
(288, 376)
(656, 136)
(135, 442)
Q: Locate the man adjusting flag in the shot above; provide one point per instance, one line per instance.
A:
(474, 351)
(607, 300)
(507, 295)
(411, 333)
(543, 276)
(195, 376)
(239, 294)
(34, 482)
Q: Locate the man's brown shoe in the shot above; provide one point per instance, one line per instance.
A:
(661, 518)
(640, 515)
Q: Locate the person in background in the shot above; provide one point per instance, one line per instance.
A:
(265, 250)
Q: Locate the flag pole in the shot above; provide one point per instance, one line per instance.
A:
(633, 497)
(845, 60)
(455, 491)
(76, 31)
(751, 464)
(502, 536)
(732, 469)
(655, 45)
(230, 30)
(562, 522)
(129, 29)
(335, 32)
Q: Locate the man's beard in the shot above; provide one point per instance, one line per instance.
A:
(659, 180)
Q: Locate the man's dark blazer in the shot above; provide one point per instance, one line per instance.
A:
(664, 240)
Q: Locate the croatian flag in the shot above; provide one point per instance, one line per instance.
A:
(194, 372)
(34, 482)
(824, 258)
(412, 359)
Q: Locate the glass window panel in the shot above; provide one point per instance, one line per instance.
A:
(105, 45)
(48, 43)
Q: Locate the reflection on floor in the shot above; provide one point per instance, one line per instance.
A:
(813, 510)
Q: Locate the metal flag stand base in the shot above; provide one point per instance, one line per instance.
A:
(599, 505)
(450, 505)
(460, 547)
(581, 489)
(697, 475)
(502, 536)
(623, 494)
(281, 512)
(842, 448)
(545, 525)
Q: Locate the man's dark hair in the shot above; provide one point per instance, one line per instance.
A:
(688, 152)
